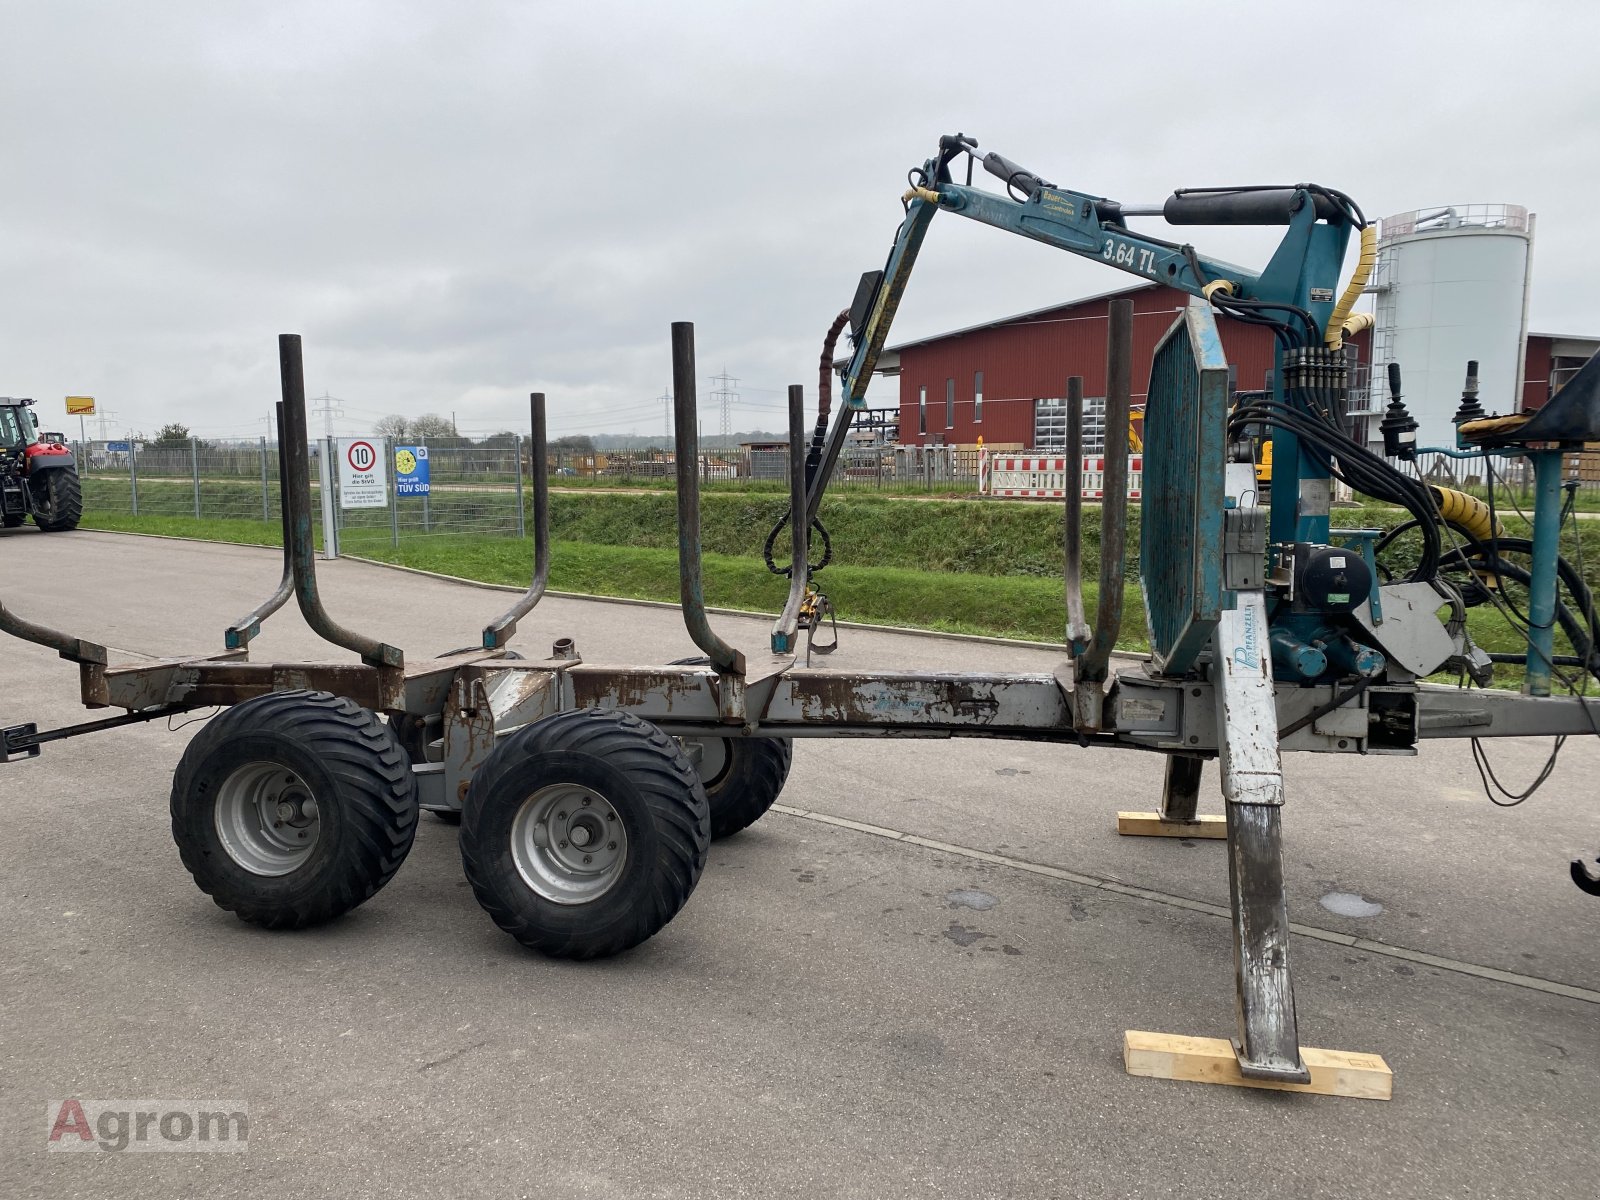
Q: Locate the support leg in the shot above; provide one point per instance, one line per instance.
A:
(1180, 797)
(1268, 1044)
(1252, 787)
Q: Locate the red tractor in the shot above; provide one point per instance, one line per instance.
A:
(38, 479)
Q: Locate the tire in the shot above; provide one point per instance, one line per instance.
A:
(57, 499)
(742, 776)
(592, 771)
(10, 520)
(293, 749)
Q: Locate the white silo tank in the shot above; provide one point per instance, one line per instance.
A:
(1452, 285)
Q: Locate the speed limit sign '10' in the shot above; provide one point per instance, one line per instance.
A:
(363, 479)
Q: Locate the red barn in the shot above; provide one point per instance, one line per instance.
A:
(1004, 380)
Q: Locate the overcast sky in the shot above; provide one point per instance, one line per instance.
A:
(459, 203)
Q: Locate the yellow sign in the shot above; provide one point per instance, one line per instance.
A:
(80, 406)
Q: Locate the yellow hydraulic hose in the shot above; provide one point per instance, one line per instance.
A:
(1356, 322)
(1358, 280)
(1470, 513)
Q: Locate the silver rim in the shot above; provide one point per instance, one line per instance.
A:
(709, 755)
(568, 843)
(267, 818)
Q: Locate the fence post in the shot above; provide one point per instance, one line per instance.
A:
(266, 515)
(394, 494)
(522, 519)
(133, 472)
(194, 463)
(325, 478)
(427, 516)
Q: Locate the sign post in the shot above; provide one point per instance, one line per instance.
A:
(81, 407)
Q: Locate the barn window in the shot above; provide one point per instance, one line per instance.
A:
(1050, 425)
(922, 410)
(949, 403)
(977, 397)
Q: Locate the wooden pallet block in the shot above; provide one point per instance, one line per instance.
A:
(1211, 1060)
(1149, 824)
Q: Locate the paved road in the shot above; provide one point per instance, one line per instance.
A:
(825, 1018)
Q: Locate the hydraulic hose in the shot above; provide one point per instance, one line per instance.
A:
(1358, 280)
(825, 367)
(1468, 513)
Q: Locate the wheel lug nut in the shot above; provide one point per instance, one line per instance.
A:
(562, 845)
(561, 816)
(588, 858)
(611, 845)
(586, 802)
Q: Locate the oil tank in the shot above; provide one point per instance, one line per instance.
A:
(1451, 285)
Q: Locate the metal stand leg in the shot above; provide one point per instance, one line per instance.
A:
(1180, 797)
(1268, 1045)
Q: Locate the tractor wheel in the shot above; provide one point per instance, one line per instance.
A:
(57, 500)
(584, 833)
(293, 808)
(742, 776)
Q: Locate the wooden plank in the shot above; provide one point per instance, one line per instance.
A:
(1211, 1060)
(1149, 824)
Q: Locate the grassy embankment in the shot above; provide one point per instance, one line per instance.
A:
(990, 567)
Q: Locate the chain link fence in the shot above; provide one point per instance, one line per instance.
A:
(476, 489)
(487, 490)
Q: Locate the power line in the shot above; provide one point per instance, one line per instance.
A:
(726, 397)
(329, 407)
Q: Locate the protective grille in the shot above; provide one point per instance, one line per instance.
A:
(1185, 457)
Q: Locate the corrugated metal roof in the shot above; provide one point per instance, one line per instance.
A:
(1566, 337)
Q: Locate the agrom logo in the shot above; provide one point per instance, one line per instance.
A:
(148, 1126)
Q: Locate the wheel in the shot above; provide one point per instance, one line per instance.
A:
(57, 499)
(584, 833)
(742, 776)
(10, 520)
(293, 808)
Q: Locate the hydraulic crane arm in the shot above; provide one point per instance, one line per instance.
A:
(1299, 282)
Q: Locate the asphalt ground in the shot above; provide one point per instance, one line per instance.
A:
(837, 1012)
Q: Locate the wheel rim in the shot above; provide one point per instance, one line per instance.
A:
(568, 843)
(710, 758)
(267, 818)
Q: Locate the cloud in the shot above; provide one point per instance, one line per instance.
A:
(460, 204)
